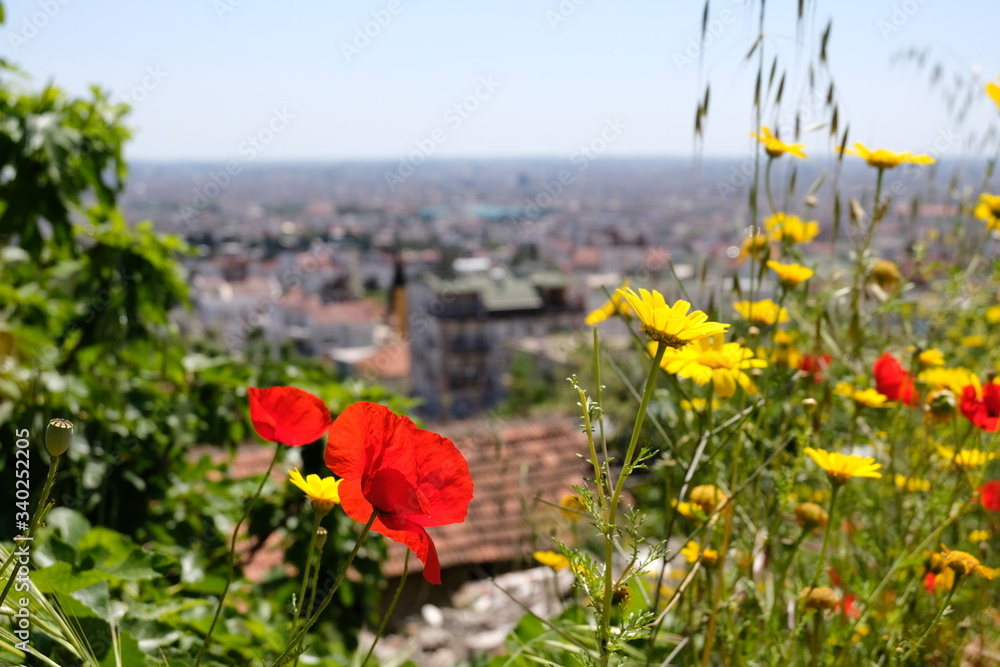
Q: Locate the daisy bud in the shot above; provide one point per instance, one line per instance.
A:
(707, 497)
(810, 516)
(886, 275)
(621, 595)
(809, 404)
(941, 405)
(822, 598)
(58, 436)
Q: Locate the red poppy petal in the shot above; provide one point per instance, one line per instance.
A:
(288, 415)
(396, 529)
(353, 501)
(367, 437)
(416, 538)
(390, 491)
(444, 479)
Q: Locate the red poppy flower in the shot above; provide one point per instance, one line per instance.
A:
(983, 412)
(989, 495)
(929, 583)
(892, 380)
(815, 364)
(288, 415)
(850, 607)
(412, 479)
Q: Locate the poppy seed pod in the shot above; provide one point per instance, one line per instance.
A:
(58, 436)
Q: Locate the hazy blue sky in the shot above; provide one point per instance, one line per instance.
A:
(205, 75)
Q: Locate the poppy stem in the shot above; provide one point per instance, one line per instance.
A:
(299, 635)
(388, 613)
(305, 574)
(232, 555)
(42, 509)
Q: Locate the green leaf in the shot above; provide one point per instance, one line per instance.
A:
(62, 578)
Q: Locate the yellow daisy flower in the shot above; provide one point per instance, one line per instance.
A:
(693, 553)
(965, 459)
(687, 509)
(616, 304)
(764, 312)
(840, 468)
(870, 398)
(973, 341)
(774, 146)
(963, 564)
(790, 275)
(883, 159)
(323, 492)
(713, 360)
(912, 484)
(988, 210)
(552, 559)
(571, 507)
(980, 535)
(954, 379)
(698, 404)
(672, 325)
(783, 226)
(753, 245)
(931, 357)
(993, 90)
(993, 314)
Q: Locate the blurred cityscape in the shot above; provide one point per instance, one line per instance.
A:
(428, 278)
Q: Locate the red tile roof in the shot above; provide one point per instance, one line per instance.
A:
(515, 466)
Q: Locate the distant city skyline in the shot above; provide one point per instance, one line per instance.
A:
(392, 80)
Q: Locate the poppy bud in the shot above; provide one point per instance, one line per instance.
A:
(58, 436)
(809, 404)
(321, 534)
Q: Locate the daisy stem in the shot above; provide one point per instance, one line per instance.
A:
(315, 577)
(819, 569)
(299, 635)
(388, 613)
(767, 185)
(609, 546)
(934, 621)
(598, 389)
(859, 269)
(826, 538)
(305, 573)
(589, 429)
(232, 555)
